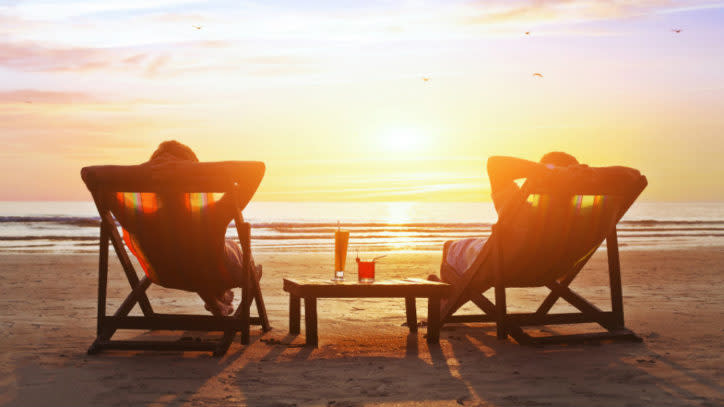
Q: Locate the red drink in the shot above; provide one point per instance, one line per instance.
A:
(366, 271)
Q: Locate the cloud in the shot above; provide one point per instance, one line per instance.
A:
(156, 64)
(34, 57)
(48, 97)
(67, 9)
(536, 10)
(67, 132)
(152, 61)
(562, 11)
(187, 18)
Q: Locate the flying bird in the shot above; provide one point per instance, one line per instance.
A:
(539, 75)
(198, 27)
(676, 30)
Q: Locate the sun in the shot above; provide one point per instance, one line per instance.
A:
(399, 212)
(400, 139)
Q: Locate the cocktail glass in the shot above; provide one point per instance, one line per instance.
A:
(366, 271)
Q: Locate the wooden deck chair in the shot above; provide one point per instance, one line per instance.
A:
(138, 192)
(566, 236)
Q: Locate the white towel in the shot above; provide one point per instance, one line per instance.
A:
(462, 253)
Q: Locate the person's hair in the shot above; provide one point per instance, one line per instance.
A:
(559, 159)
(174, 149)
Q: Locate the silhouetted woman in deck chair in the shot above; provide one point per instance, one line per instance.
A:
(555, 167)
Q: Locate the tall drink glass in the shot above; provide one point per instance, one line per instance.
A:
(341, 239)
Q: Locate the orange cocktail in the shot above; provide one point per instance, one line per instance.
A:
(341, 239)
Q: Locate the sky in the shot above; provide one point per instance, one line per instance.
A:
(363, 101)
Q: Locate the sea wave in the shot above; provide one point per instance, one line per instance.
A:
(62, 220)
(357, 238)
(650, 222)
(78, 234)
(50, 238)
(324, 226)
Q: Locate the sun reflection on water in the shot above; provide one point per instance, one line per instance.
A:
(399, 213)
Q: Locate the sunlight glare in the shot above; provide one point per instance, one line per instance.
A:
(399, 212)
(400, 139)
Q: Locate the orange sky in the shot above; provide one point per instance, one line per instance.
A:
(332, 98)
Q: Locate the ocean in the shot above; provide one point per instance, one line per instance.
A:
(72, 227)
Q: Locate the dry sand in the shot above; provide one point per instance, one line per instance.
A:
(673, 299)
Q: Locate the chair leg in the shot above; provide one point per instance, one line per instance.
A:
(102, 284)
(449, 305)
(501, 308)
(125, 260)
(94, 348)
(126, 306)
(582, 305)
(614, 275)
(483, 303)
(259, 299)
(224, 344)
(500, 312)
(244, 308)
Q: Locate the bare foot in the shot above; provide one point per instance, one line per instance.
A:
(227, 297)
(218, 305)
(219, 308)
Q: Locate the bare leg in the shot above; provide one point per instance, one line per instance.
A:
(233, 259)
(222, 303)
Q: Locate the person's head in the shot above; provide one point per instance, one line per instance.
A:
(559, 159)
(173, 150)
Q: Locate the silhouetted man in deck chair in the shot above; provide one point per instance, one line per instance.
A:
(176, 228)
(216, 261)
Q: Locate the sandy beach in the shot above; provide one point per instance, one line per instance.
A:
(673, 299)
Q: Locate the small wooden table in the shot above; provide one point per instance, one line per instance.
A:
(409, 289)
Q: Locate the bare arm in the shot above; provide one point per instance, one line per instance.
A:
(503, 171)
(215, 176)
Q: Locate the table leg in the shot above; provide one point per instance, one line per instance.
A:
(294, 314)
(310, 321)
(433, 319)
(245, 308)
(411, 313)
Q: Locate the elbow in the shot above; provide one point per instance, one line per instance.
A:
(86, 174)
(493, 163)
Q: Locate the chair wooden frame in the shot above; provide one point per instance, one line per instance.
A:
(512, 323)
(107, 325)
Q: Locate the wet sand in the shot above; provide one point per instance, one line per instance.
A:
(673, 299)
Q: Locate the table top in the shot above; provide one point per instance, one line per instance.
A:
(408, 287)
